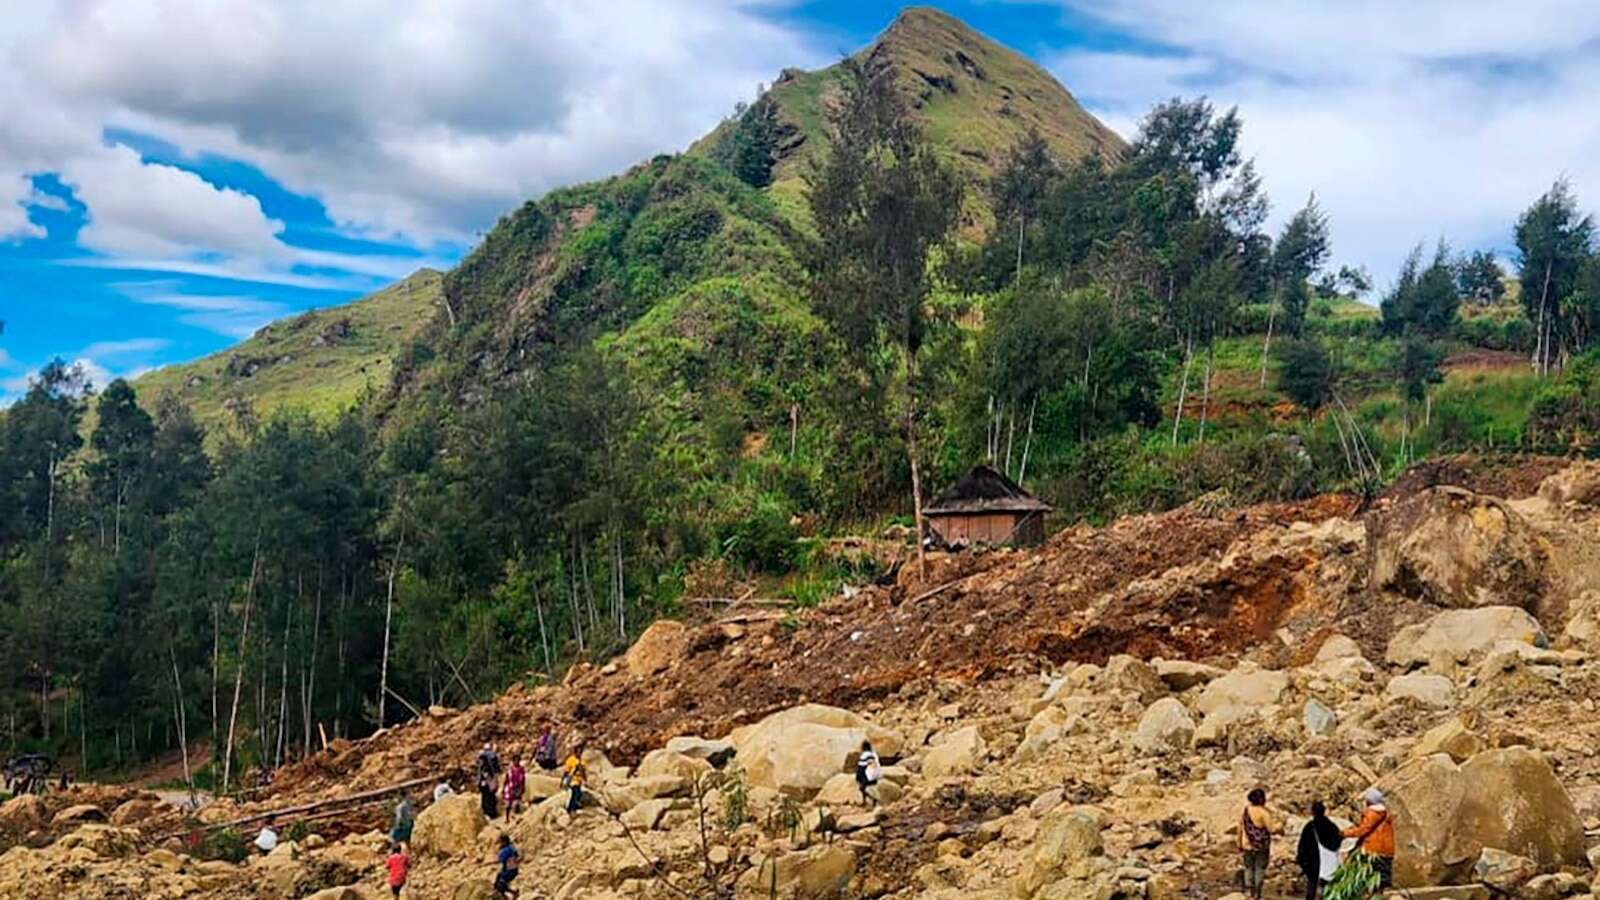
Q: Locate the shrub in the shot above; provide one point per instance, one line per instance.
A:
(765, 539)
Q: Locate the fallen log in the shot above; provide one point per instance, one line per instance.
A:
(739, 601)
(350, 800)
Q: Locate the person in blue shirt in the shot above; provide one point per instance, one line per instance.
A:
(509, 858)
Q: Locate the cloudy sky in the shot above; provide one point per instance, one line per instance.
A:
(175, 173)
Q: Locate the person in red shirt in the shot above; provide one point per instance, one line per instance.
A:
(399, 867)
(516, 783)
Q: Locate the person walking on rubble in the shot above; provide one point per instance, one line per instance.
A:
(574, 776)
(868, 771)
(1318, 853)
(1256, 826)
(509, 859)
(516, 784)
(489, 780)
(1374, 836)
(405, 818)
(399, 865)
(544, 751)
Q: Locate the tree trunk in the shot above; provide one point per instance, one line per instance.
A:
(1027, 444)
(1540, 350)
(544, 640)
(49, 522)
(216, 663)
(181, 720)
(283, 692)
(1266, 345)
(1183, 386)
(573, 602)
(916, 471)
(238, 678)
(338, 694)
(309, 704)
(388, 619)
(1022, 224)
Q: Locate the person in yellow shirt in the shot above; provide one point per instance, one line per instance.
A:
(575, 774)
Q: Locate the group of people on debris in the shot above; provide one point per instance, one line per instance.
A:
(1320, 842)
(495, 784)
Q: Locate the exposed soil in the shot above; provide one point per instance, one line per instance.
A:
(1509, 475)
(1084, 595)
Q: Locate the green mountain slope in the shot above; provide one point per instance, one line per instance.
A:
(975, 99)
(319, 361)
(676, 267)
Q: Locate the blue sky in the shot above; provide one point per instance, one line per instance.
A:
(179, 174)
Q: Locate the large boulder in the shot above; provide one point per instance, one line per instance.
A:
(1181, 674)
(1068, 838)
(1165, 727)
(1049, 725)
(449, 827)
(647, 814)
(841, 790)
(662, 643)
(1452, 547)
(136, 810)
(667, 762)
(1578, 483)
(538, 786)
(1241, 694)
(625, 795)
(1126, 673)
(1456, 636)
(1507, 799)
(821, 871)
(959, 753)
(1451, 737)
(797, 750)
(714, 752)
(1429, 690)
(1583, 621)
(1320, 721)
(82, 812)
(22, 814)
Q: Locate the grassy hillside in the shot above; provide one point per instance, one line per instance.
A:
(975, 98)
(319, 361)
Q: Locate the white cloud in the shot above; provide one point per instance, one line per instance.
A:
(421, 118)
(1409, 121)
(16, 192)
(113, 349)
(98, 376)
(148, 209)
(232, 316)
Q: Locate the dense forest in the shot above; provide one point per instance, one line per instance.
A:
(642, 388)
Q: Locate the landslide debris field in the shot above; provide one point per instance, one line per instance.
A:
(1078, 719)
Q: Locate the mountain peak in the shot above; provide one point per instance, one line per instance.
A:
(974, 98)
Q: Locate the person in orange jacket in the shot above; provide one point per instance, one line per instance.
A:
(1374, 836)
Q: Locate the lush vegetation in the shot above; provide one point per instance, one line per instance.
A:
(685, 379)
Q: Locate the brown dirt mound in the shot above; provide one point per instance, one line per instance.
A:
(995, 612)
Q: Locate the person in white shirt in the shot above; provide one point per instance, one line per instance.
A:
(267, 840)
(868, 771)
(442, 790)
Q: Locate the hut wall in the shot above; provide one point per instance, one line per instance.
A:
(984, 528)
